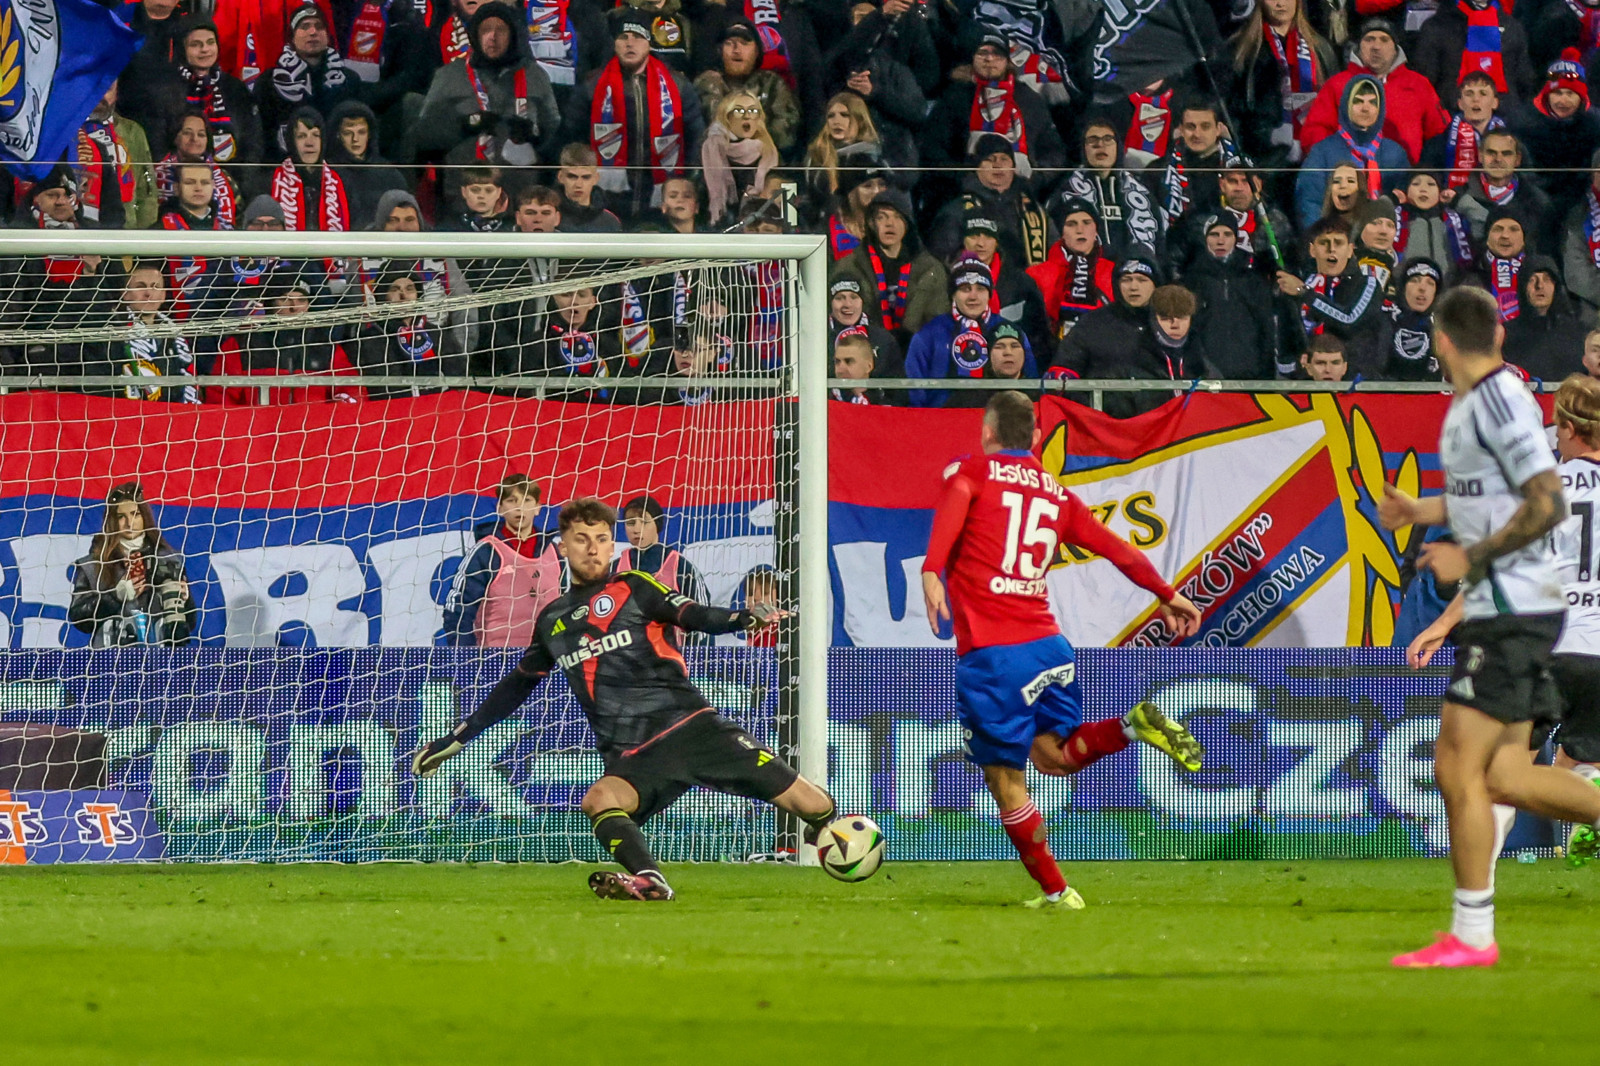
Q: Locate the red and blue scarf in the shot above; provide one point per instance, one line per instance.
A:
(1151, 126)
(1503, 282)
(1301, 77)
(891, 301)
(608, 120)
(774, 51)
(1482, 52)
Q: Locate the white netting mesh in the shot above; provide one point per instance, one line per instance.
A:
(250, 684)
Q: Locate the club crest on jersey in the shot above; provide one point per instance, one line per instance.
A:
(20, 823)
(106, 824)
(603, 605)
(1057, 675)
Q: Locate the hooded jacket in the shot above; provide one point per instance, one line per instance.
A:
(927, 296)
(1234, 321)
(1411, 107)
(1026, 232)
(1562, 147)
(453, 118)
(1335, 149)
(366, 178)
(1108, 342)
(1547, 346)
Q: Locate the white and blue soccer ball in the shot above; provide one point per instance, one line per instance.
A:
(851, 848)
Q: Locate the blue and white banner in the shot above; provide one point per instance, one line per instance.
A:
(57, 59)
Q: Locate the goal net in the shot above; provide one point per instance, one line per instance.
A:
(276, 509)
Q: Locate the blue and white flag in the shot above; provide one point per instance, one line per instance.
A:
(57, 59)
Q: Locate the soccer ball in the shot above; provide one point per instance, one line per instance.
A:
(851, 848)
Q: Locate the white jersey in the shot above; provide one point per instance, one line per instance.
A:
(1576, 548)
(1493, 442)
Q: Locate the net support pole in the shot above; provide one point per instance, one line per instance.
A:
(812, 368)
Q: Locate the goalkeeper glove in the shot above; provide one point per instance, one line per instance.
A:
(759, 615)
(428, 760)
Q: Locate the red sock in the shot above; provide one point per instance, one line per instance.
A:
(1093, 741)
(1025, 826)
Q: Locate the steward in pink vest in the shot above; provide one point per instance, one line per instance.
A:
(508, 579)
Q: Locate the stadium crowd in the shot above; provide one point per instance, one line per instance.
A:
(1015, 189)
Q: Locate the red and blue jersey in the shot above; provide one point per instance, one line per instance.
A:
(999, 528)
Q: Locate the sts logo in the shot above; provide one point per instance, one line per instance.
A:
(106, 824)
(20, 823)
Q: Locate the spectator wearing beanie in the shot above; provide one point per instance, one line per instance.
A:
(1412, 109)
(1015, 295)
(495, 107)
(309, 73)
(669, 31)
(1103, 342)
(1359, 141)
(739, 69)
(1546, 338)
(638, 147)
(1234, 323)
(993, 189)
(1580, 243)
(1127, 215)
(1411, 355)
(846, 313)
(903, 287)
(1505, 249)
(1078, 275)
(1239, 198)
(1474, 35)
(956, 345)
(992, 101)
(1560, 131)
(1428, 229)
(1009, 360)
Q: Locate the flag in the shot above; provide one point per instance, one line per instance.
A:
(57, 59)
(1139, 42)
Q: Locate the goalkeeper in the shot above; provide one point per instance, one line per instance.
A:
(613, 635)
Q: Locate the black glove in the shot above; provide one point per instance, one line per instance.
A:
(518, 129)
(480, 123)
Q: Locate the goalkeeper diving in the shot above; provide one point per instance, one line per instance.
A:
(614, 636)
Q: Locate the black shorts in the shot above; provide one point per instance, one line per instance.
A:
(705, 749)
(1503, 668)
(1579, 679)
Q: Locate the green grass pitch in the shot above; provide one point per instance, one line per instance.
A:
(1172, 963)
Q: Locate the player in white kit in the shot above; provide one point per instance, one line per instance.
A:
(1502, 501)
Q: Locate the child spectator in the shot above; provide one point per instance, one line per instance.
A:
(510, 576)
(1411, 355)
(1428, 229)
(1324, 359)
(1078, 276)
(847, 315)
(583, 205)
(645, 522)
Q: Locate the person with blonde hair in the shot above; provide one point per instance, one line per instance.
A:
(737, 153)
(847, 133)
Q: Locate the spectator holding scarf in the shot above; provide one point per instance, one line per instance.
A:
(1470, 35)
(1078, 275)
(494, 106)
(642, 118)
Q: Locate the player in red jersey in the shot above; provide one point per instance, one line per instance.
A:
(995, 534)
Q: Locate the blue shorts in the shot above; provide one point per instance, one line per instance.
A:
(1010, 693)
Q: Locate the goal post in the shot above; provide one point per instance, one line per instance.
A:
(38, 637)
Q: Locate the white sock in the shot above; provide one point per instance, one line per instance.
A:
(1472, 917)
(1588, 771)
(1504, 818)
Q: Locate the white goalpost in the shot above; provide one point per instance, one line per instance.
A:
(258, 698)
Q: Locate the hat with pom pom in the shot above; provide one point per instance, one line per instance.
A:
(1564, 73)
